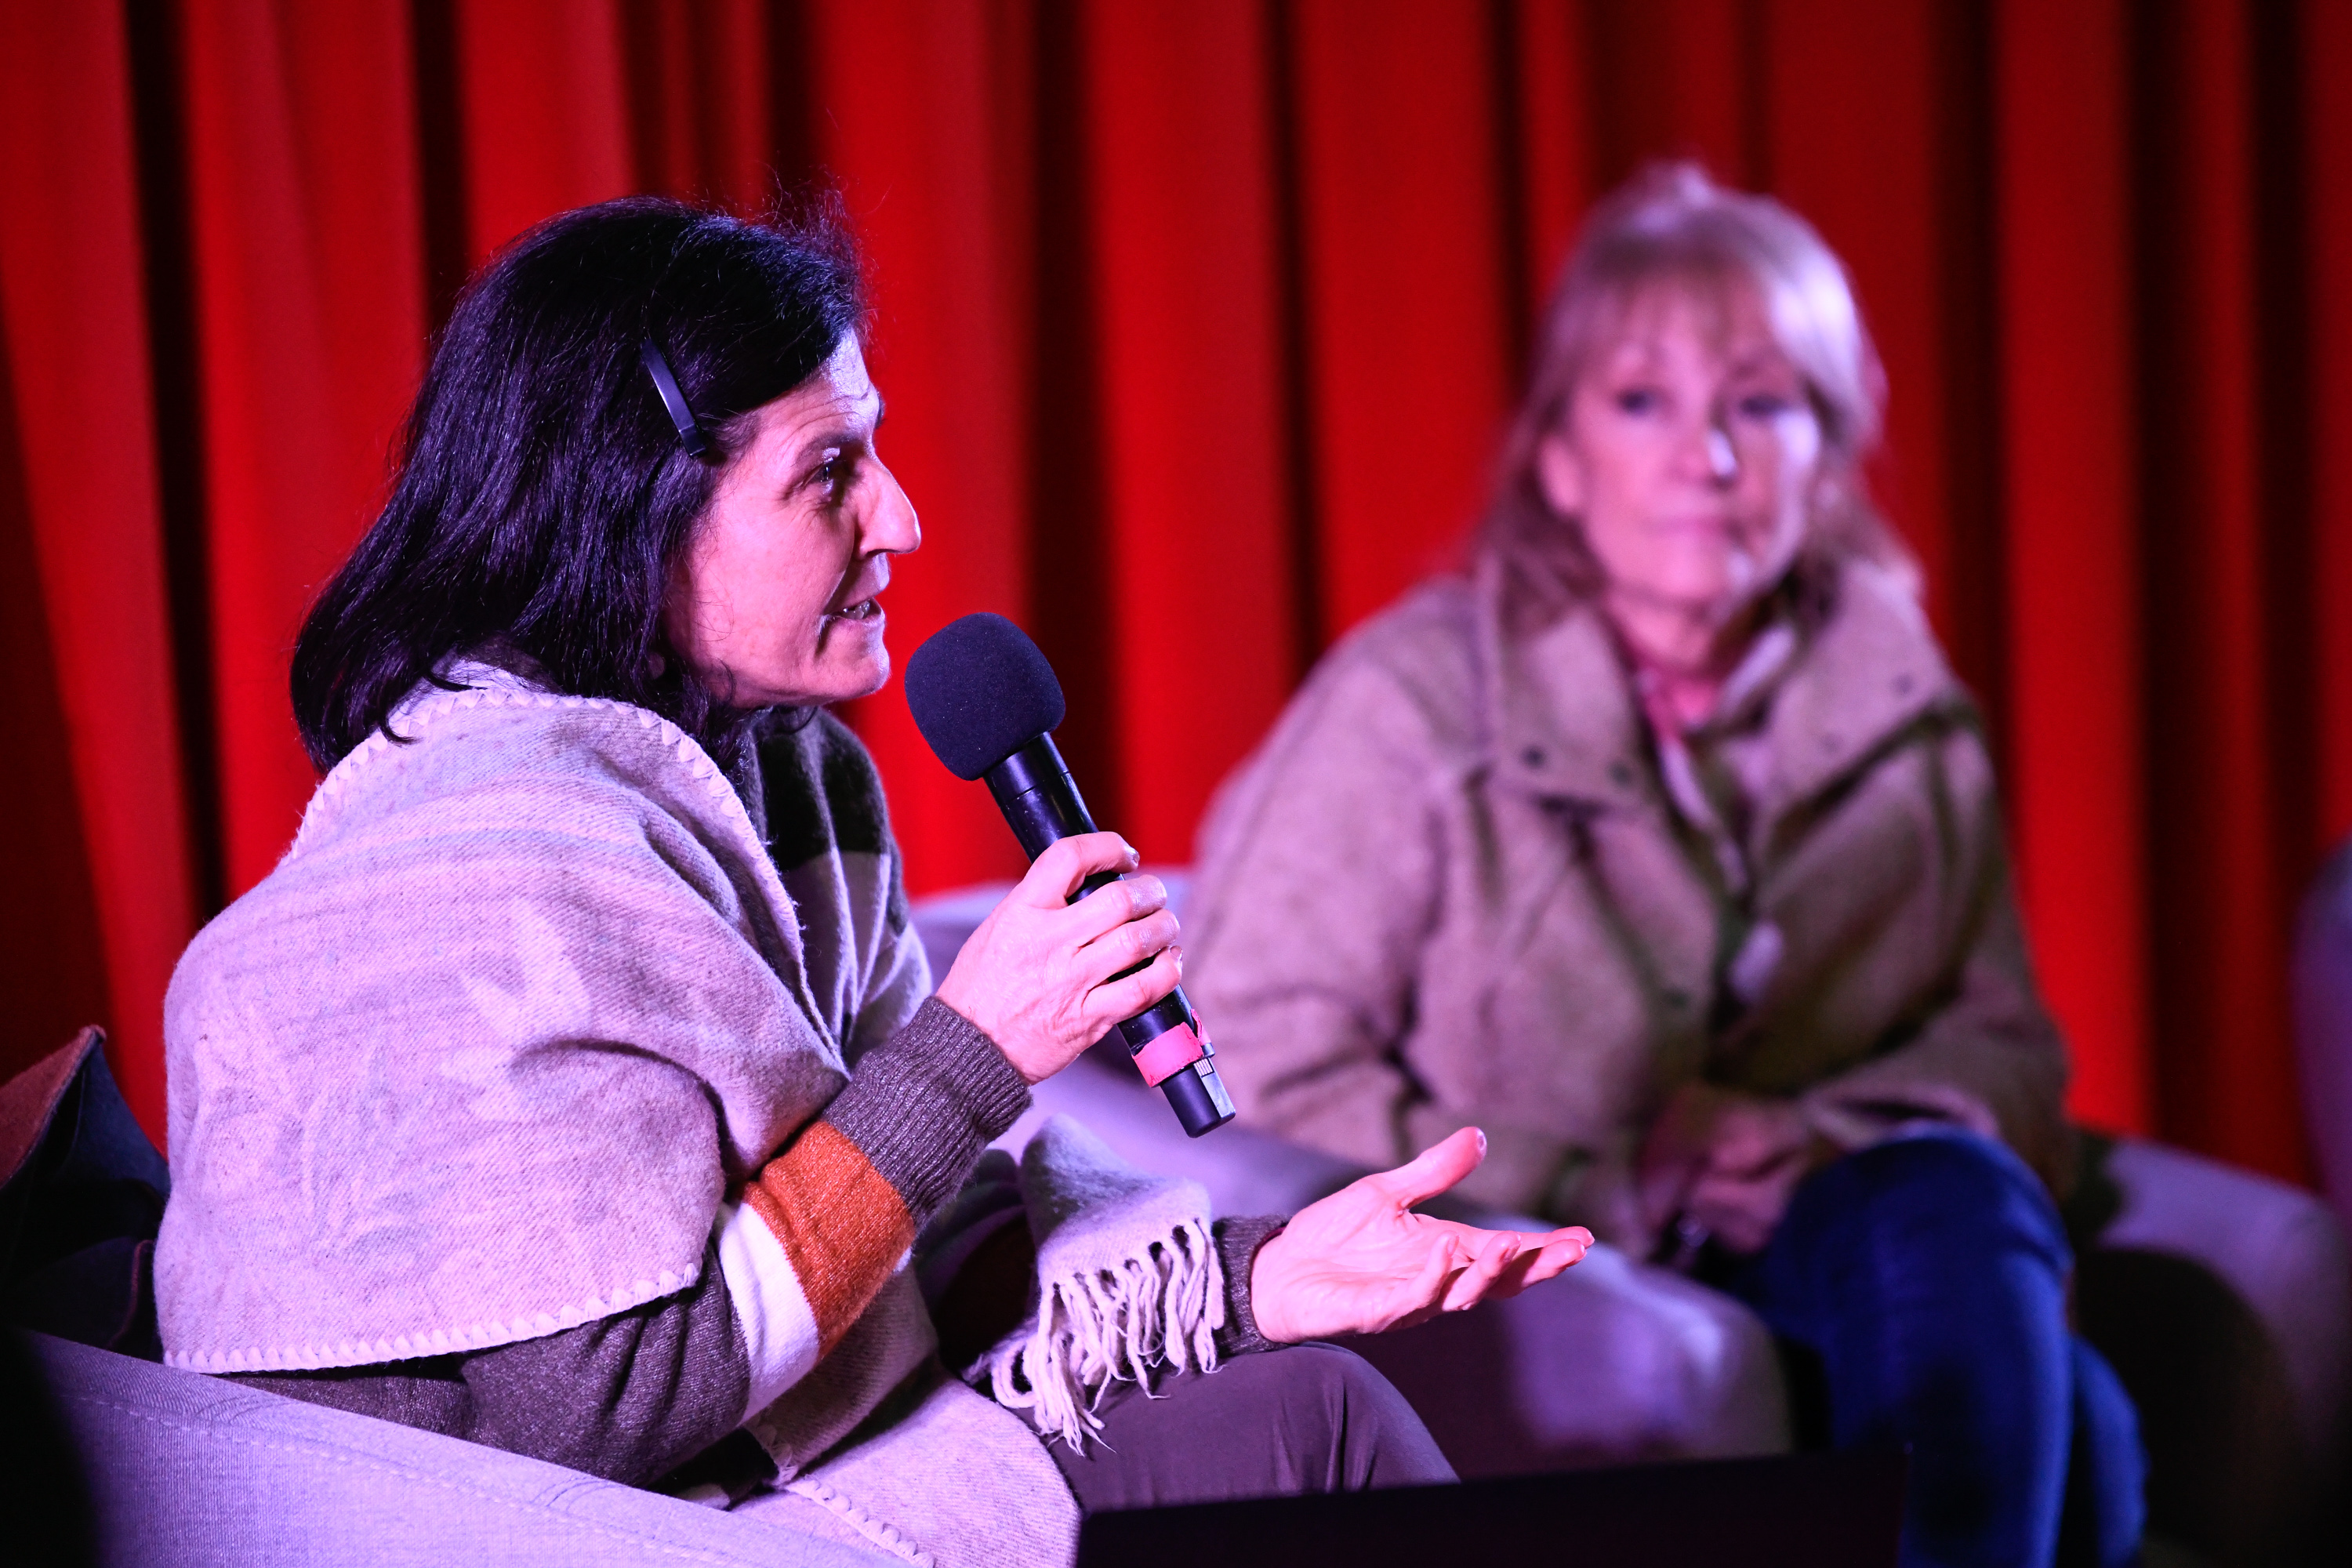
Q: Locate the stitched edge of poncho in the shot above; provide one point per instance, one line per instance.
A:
(415, 718)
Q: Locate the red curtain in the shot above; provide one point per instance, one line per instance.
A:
(1199, 324)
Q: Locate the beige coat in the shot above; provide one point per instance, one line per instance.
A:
(1452, 887)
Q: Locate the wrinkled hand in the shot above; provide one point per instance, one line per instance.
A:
(1730, 1162)
(1037, 975)
(1360, 1262)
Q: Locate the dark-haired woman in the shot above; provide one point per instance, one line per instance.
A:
(571, 1085)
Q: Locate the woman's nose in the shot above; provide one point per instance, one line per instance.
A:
(1722, 458)
(1706, 455)
(892, 528)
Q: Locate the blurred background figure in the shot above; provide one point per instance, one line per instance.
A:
(1664, 846)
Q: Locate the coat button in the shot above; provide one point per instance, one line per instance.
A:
(1533, 756)
(1619, 774)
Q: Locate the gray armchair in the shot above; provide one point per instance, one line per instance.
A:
(185, 1471)
(107, 1457)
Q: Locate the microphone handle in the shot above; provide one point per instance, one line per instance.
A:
(1041, 801)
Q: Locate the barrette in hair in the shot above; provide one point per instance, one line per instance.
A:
(689, 433)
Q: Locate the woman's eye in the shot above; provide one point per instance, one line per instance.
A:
(1763, 406)
(1638, 400)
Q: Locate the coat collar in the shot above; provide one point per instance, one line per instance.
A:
(1873, 670)
(1564, 723)
(1561, 712)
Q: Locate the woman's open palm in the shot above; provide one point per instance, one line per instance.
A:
(1361, 1262)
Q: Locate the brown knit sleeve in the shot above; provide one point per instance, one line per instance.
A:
(628, 1397)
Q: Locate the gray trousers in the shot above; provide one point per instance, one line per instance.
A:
(1305, 1418)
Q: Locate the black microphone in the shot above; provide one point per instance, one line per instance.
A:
(987, 701)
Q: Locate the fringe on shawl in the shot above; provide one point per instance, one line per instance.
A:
(1098, 1327)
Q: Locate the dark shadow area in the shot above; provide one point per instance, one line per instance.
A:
(2231, 1470)
(1070, 560)
(2228, 1471)
(81, 1193)
(1821, 1511)
(443, 197)
(2287, 432)
(43, 1497)
(1310, 635)
(166, 252)
(1638, 52)
(1970, 326)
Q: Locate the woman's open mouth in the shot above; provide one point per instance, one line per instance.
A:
(866, 609)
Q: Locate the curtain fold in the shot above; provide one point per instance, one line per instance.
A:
(305, 261)
(96, 893)
(2070, 496)
(1199, 326)
(1204, 568)
(935, 150)
(2321, 127)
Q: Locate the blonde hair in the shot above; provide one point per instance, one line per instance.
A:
(1672, 227)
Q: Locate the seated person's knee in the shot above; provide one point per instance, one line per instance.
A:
(1953, 1186)
(1305, 1418)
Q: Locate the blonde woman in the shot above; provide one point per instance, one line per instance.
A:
(1663, 845)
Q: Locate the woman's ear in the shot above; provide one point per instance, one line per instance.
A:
(1560, 471)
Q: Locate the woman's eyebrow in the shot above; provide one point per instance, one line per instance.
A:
(1761, 357)
(847, 436)
(1632, 357)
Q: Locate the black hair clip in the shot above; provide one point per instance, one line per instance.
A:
(689, 433)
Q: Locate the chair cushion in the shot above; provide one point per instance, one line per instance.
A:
(81, 1194)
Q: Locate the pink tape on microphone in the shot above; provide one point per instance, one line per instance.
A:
(1169, 1053)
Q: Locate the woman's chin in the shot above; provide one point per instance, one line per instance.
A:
(873, 680)
(1714, 594)
(844, 682)
(838, 674)
(1686, 566)
(864, 676)
(852, 660)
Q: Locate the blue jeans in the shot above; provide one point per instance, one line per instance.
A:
(1926, 1277)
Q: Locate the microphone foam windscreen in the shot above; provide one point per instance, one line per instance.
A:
(980, 691)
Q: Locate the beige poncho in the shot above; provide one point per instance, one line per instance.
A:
(480, 1059)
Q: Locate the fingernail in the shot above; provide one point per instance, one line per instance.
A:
(1481, 1139)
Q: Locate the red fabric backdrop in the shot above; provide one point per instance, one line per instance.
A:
(1198, 324)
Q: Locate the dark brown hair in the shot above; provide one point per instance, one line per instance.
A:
(542, 491)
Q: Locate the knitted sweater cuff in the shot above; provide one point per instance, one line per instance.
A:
(1238, 1241)
(926, 1101)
